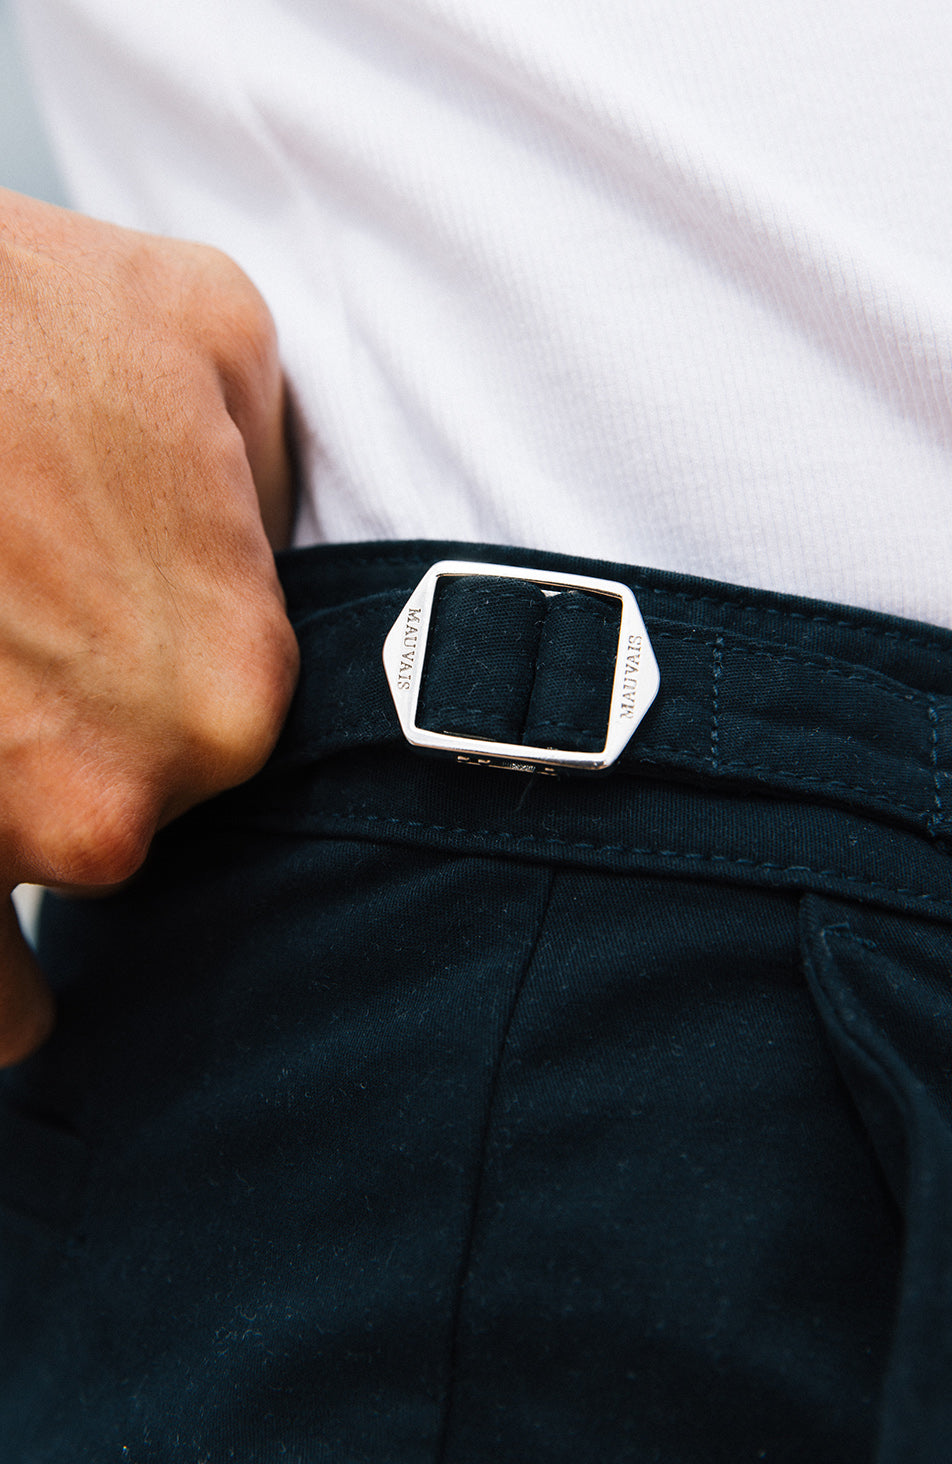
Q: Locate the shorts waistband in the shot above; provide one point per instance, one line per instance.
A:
(767, 702)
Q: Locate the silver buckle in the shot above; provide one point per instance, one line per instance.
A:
(634, 688)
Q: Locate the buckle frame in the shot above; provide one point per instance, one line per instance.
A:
(634, 687)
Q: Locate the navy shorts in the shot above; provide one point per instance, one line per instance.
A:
(410, 1112)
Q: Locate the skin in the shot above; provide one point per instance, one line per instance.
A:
(146, 662)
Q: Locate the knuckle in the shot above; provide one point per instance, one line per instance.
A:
(100, 835)
(240, 724)
(240, 319)
(208, 297)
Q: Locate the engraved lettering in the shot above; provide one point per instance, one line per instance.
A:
(508, 767)
(629, 686)
(411, 636)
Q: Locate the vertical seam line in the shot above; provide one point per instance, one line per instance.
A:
(477, 1194)
(717, 656)
(936, 812)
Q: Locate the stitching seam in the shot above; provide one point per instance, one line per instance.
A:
(829, 668)
(695, 598)
(781, 614)
(698, 856)
(717, 655)
(804, 780)
(845, 932)
(688, 636)
(935, 816)
(382, 725)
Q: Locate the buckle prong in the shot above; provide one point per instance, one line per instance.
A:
(634, 687)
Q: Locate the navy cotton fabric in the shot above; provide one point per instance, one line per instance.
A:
(403, 1112)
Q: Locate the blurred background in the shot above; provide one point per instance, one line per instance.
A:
(26, 161)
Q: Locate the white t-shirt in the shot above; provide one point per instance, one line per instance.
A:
(648, 280)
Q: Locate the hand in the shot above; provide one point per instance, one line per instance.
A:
(146, 662)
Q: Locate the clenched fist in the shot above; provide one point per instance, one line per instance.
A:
(146, 662)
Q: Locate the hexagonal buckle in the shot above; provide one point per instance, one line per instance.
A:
(634, 687)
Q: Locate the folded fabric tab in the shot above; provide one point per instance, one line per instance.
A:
(511, 663)
(483, 644)
(575, 668)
